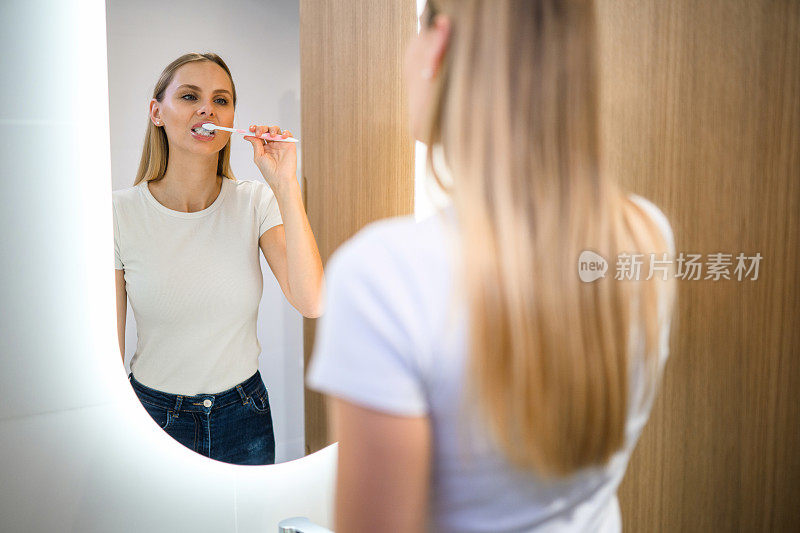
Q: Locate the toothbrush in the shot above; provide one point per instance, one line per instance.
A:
(211, 127)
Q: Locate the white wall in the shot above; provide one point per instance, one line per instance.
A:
(260, 42)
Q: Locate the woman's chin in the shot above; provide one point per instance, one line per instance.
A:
(205, 147)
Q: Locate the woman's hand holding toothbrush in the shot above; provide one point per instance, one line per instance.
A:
(277, 161)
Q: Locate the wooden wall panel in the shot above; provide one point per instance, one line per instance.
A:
(358, 153)
(701, 111)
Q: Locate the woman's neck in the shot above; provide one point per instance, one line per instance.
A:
(190, 183)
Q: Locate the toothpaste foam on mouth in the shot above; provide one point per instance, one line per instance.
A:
(203, 131)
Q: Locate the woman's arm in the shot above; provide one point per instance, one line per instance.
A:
(383, 469)
(290, 249)
(122, 310)
(292, 254)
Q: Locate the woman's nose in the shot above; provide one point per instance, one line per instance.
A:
(206, 109)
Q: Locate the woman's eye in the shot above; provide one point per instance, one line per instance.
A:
(191, 97)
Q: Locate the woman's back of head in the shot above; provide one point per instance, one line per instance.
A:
(514, 110)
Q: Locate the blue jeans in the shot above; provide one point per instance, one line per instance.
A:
(233, 426)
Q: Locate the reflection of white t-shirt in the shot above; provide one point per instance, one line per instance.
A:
(385, 343)
(194, 282)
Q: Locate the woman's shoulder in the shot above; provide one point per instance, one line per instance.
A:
(397, 236)
(658, 217)
(247, 186)
(370, 243)
(128, 196)
(393, 249)
(127, 192)
(255, 191)
(652, 209)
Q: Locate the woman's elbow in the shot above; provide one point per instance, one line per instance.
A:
(314, 311)
(312, 304)
(310, 307)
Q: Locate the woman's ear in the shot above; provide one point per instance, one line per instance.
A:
(155, 113)
(439, 35)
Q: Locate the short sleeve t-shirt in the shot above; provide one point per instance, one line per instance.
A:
(388, 341)
(194, 282)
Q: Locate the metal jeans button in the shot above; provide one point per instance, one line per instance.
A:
(206, 403)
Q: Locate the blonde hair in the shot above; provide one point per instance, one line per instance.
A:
(514, 113)
(155, 151)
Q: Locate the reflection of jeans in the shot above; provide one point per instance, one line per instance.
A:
(233, 426)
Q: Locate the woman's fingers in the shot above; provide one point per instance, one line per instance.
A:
(272, 131)
(258, 145)
(254, 130)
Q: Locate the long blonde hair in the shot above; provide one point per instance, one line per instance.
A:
(515, 113)
(155, 151)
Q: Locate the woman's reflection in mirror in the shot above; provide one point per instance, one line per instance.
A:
(187, 237)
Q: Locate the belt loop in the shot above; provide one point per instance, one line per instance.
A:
(177, 409)
(241, 393)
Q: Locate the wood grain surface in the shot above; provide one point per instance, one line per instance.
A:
(701, 114)
(358, 153)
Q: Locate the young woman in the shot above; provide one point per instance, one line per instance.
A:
(186, 239)
(476, 383)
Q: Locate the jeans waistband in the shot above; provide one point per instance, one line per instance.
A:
(199, 402)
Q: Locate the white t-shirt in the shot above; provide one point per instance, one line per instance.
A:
(194, 282)
(385, 342)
